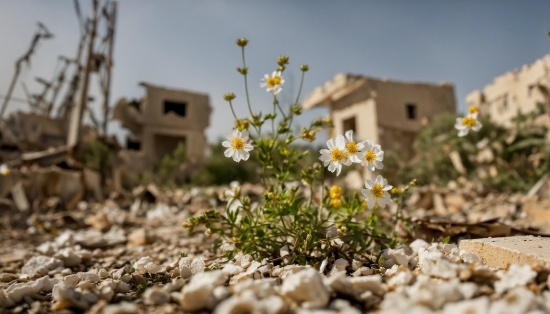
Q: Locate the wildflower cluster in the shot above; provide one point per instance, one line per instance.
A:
(469, 122)
(295, 215)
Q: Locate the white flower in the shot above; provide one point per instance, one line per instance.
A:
(377, 192)
(354, 149)
(4, 170)
(274, 83)
(372, 156)
(238, 145)
(469, 122)
(335, 156)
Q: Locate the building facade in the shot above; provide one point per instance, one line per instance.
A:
(162, 120)
(387, 112)
(517, 90)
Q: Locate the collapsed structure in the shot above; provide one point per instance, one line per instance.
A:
(387, 112)
(162, 119)
(516, 91)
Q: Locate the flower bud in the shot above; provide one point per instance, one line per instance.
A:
(282, 60)
(304, 68)
(229, 96)
(241, 42)
(242, 70)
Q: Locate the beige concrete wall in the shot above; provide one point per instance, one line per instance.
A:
(197, 110)
(158, 141)
(365, 117)
(515, 90)
(429, 99)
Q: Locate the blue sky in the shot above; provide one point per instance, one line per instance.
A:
(191, 44)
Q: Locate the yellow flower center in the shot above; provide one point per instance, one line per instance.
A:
(337, 155)
(473, 109)
(335, 191)
(352, 147)
(469, 122)
(237, 143)
(370, 156)
(377, 191)
(273, 81)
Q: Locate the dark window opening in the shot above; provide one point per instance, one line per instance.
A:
(349, 124)
(133, 144)
(175, 107)
(411, 111)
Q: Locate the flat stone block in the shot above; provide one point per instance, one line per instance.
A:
(505, 251)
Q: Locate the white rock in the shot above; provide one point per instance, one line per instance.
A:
(103, 273)
(517, 275)
(362, 271)
(519, 300)
(139, 266)
(156, 296)
(41, 264)
(238, 304)
(475, 306)
(355, 265)
(390, 272)
(48, 248)
(433, 294)
(339, 283)
(244, 261)
(197, 294)
(231, 269)
(468, 289)
(371, 283)
(469, 257)
(71, 281)
(402, 278)
(68, 256)
(4, 300)
(262, 288)
(197, 266)
(395, 303)
(65, 297)
(65, 239)
(399, 256)
(90, 276)
(323, 266)
(121, 308)
(17, 291)
(306, 288)
(339, 266)
(417, 244)
(152, 268)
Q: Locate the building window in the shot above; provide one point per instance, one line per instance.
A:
(178, 108)
(411, 111)
(349, 124)
(133, 144)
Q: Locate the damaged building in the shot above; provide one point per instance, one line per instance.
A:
(161, 120)
(515, 91)
(387, 112)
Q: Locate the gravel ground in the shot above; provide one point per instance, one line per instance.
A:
(124, 257)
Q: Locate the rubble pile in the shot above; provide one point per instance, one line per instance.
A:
(130, 255)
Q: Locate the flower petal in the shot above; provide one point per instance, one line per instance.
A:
(228, 152)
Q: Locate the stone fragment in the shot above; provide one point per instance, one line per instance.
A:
(197, 295)
(7, 277)
(231, 269)
(519, 300)
(306, 288)
(121, 308)
(475, 306)
(503, 252)
(339, 266)
(139, 266)
(89, 276)
(137, 237)
(41, 264)
(371, 283)
(65, 297)
(156, 296)
(68, 256)
(17, 291)
(339, 283)
(517, 275)
(417, 244)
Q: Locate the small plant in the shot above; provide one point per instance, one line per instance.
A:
(295, 224)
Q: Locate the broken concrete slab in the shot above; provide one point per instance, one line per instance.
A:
(505, 251)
